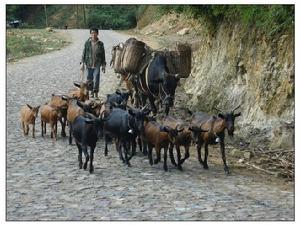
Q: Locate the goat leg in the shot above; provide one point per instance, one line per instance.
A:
(165, 158)
(157, 150)
(186, 154)
(91, 159)
(172, 155)
(79, 155)
(205, 166)
(84, 149)
(222, 147)
(149, 153)
(199, 145)
(33, 129)
(178, 157)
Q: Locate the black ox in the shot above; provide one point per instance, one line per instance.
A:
(156, 83)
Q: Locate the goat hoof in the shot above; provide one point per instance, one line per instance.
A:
(227, 172)
(205, 167)
(180, 168)
(128, 165)
(91, 170)
(166, 169)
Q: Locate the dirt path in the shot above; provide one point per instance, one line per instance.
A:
(43, 181)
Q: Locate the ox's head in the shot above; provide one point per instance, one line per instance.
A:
(229, 118)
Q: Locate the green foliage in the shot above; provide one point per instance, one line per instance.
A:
(22, 43)
(270, 19)
(112, 16)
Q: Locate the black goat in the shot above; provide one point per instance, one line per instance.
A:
(86, 132)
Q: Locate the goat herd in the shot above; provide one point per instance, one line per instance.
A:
(91, 119)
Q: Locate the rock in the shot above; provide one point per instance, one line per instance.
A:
(241, 160)
(49, 29)
(236, 153)
(248, 155)
(184, 31)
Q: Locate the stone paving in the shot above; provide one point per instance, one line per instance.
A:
(43, 181)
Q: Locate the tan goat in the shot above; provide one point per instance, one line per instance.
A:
(49, 115)
(28, 114)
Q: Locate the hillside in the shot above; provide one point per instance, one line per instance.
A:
(237, 66)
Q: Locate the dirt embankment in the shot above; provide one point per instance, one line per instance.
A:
(214, 63)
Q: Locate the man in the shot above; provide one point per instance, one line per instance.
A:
(93, 57)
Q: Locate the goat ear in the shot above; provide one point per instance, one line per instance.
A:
(118, 92)
(79, 103)
(76, 84)
(29, 106)
(130, 111)
(237, 115)
(221, 116)
(38, 107)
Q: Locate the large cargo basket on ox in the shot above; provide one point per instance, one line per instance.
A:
(133, 54)
(117, 57)
(180, 60)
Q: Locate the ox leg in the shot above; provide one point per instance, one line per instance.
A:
(79, 155)
(172, 154)
(178, 157)
(222, 146)
(199, 145)
(157, 150)
(150, 154)
(205, 166)
(86, 154)
(186, 154)
(70, 133)
(165, 158)
(92, 158)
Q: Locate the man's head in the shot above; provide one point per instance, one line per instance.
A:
(94, 33)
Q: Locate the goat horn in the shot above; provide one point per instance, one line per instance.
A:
(236, 108)
(218, 109)
(145, 107)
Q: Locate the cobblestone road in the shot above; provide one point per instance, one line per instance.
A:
(44, 183)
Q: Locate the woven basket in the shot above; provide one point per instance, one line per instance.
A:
(185, 58)
(133, 53)
(118, 57)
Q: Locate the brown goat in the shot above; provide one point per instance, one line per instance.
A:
(92, 106)
(73, 111)
(158, 136)
(28, 115)
(184, 138)
(81, 92)
(216, 134)
(62, 105)
(49, 115)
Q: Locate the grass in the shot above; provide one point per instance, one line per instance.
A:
(21, 43)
